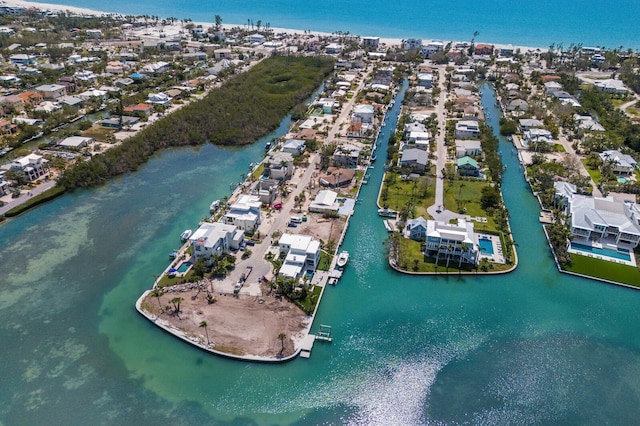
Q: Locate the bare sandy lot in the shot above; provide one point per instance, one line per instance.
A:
(243, 325)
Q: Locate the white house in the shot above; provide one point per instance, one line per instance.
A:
(467, 129)
(370, 42)
(293, 146)
(412, 43)
(586, 122)
(529, 123)
(611, 86)
(604, 220)
(623, 164)
(302, 253)
(212, 239)
(363, 113)
(244, 214)
(537, 135)
(52, 91)
(158, 99)
(420, 139)
(347, 155)
(325, 201)
(279, 165)
(451, 244)
(425, 79)
(255, 38)
(468, 147)
(75, 142)
(33, 166)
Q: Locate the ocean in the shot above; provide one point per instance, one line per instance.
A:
(534, 23)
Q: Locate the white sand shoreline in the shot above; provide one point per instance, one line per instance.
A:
(389, 41)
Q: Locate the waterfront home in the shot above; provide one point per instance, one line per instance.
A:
(52, 91)
(301, 255)
(537, 135)
(72, 101)
(370, 42)
(7, 127)
(213, 239)
(116, 121)
(586, 122)
(279, 165)
(413, 127)
(255, 38)
(347, 155)
(467, 129)
(415, 158)
(622, 164)
(448, 242)
(467, 166)
(75, 143)
(336, 177)
(12, 103)
(363, 113)
(604, 220)
(412, 43)
(483, 49)
(563, 191)
(529, 123)
(32, 165)
(518, 105)
(325, 202)
(244, 213)
(425, 79)
(416, 229)
(143, 108)
(267, 190)
(293, 146)
(158, 99)
(420, 139)
(468, 147)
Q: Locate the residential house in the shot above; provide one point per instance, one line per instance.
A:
(537, 135)
(117, 122)
(156, 67)
(425, 79)
(214, 239)
(451, 244)
(529, 123)
(415, 158)
(611, 86)
(7, 127)
(52, 91)
(336, 177)
(586, 122)
(604, 220)
(255, 38)
(347, 155)
(116, 67)
(468, 147)
(267, 190)
(483, 49)
(75, 142)
(93, 94)
(222, 54)
(22, 59)
(467, 166)
(467, 129)
(32, 165)
(68, 82)
(144, 109)
(419, 139)
(363, 113)
(623, 164)
(85, 75)
(563, 191)
(416, 229)
(93, 33)
(279, 165)
(244, 214)
(412, 43)
(325, 202)
(158, 99)
(518, 105)
(372, 42)
(333, 49)
(124, 82)
(13, 103)
(293, 146)
(301, 254)
(72, 101)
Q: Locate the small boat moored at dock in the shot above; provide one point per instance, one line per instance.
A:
(343, 258)
(387, 213)
(215, 205)
(186, 234)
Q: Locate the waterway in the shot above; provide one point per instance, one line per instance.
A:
(533, 346)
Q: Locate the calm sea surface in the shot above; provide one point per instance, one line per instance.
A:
(525, 23)
(531, 347)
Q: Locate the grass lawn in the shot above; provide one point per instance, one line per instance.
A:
(325, 261)
(258, 172)
(633, 111)
(420, 194)
(310, 302)
(595, 174)
(467, 194)
(412, 259)
(99, 133)
(603, 269)
(559, 148)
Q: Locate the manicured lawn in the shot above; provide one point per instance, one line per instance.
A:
(325, 261)
(595, 174)
(420, 194)
(467, 194)
(559, 148)
(603, 269)
(258, 172)
(310, 302)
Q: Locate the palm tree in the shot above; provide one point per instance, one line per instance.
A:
(218, 20)
(157, 292)
(176, 305)
(204, 324)
(281, 337)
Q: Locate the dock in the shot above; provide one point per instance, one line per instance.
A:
(334, 276)
(307, 343)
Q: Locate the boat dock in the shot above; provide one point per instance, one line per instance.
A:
(334, 276)
(324, 334)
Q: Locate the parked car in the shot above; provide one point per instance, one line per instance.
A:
(292, 225)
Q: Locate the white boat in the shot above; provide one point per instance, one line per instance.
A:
(343, 258)
(186, 234)
(215, 205)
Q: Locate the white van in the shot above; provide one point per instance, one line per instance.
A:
(296, 219)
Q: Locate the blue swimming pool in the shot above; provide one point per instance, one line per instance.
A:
(486, 246)
(621, 254)
(184, 267)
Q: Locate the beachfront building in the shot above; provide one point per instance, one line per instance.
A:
(301, 254)
(623, 164)
(467, 129)
(214, 239)
(33, 166)
(451, 244)
(244, 214)
(606, 221)
(373, 42)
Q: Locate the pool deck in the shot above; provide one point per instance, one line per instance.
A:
(497, 256)
(631, 262)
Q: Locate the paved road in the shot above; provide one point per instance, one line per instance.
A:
(26, 195)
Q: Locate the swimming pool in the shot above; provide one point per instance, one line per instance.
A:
(621, 254)
(622, 180)
(486, 246)
(184, 266)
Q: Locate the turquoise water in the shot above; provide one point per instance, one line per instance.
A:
(601, 251)
(538, 24)
(184, 266)
(486, 245)
(531, 347)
